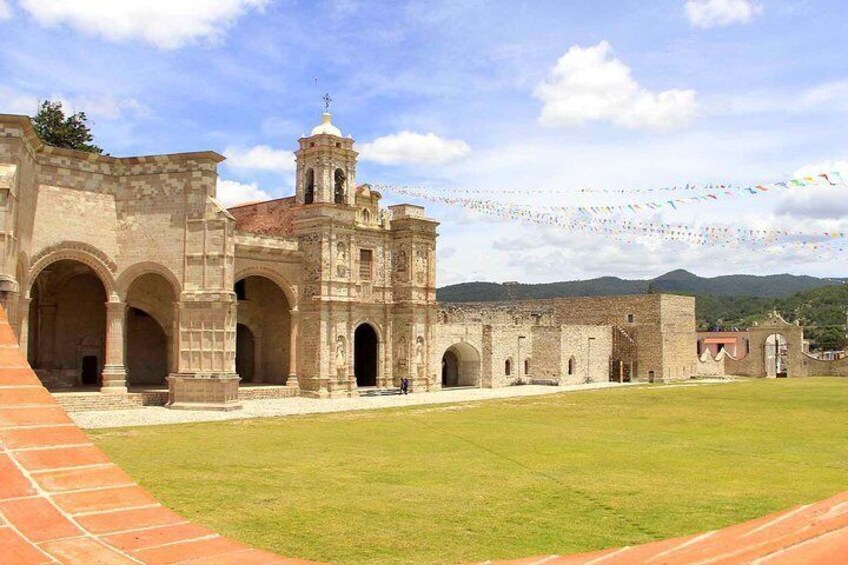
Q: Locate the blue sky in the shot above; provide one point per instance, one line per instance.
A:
(530, 95)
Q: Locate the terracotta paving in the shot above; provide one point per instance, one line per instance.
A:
(63, 501)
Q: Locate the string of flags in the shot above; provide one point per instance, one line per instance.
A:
(587, 220)
(714, 193)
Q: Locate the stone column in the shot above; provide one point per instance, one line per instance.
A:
(295, 324)
(114, 369)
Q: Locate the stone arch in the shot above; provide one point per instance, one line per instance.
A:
(137, 270)
(288, 289)
(84, 253)
(373, 324)
(150, 326)
(67, 319)
(776, 355)
(508, 367)
(267, 309)
(460, 366)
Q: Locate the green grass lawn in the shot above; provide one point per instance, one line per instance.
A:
(500, 479)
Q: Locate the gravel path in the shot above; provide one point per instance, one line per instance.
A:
(158, 415)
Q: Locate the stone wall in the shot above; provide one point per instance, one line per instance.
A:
(661, 327)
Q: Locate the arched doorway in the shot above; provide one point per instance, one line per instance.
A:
(263, 332)
(67, 325)
(365, 346)
(245, 349)
(776, 356)
(149, 330)
(460, 366)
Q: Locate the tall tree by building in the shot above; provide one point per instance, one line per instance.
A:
(58, 130)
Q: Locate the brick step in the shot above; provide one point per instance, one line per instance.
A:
(270, 392)
(92, 401)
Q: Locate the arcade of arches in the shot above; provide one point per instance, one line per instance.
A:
(67, 341)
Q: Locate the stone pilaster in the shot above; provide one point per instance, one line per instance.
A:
(291, 381)
(114, 369)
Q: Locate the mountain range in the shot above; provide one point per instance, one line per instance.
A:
(677, 282)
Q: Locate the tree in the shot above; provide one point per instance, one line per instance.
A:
(832, 339)
(71, 132)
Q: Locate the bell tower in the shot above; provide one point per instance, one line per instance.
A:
(326, 165)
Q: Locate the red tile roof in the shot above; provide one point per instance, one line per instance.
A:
(272, 217)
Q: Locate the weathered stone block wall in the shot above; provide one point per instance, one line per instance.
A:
(547, 359)
(662, 326)
(591, 348)
(709, 366)
(679, 341)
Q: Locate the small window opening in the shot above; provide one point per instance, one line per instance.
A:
(366, 257)
(508, 367)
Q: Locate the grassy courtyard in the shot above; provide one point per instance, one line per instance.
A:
(553, 474)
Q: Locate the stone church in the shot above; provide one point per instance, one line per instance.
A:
(124, 276)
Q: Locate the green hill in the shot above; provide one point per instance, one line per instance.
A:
(680, 281)
(728, 302)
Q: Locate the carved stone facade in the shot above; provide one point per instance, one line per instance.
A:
(126, 272)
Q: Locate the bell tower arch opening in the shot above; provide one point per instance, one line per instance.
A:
(339, 179)
(309, 187)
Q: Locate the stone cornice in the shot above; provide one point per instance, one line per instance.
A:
(40, 148)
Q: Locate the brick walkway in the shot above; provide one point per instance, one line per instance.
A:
(63, 501)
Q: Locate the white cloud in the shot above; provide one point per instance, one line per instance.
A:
(413, 148)
(106, 107)
(17, 102)
(822, 202)
(260, 157)
(230, 192)
(589, 84)
(5, 12)
(719, 13)
(167, 24)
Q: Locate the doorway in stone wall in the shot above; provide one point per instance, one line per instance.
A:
(460, 366)
(365, 344)
(776, 356)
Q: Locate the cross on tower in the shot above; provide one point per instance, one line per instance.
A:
(327, 101)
